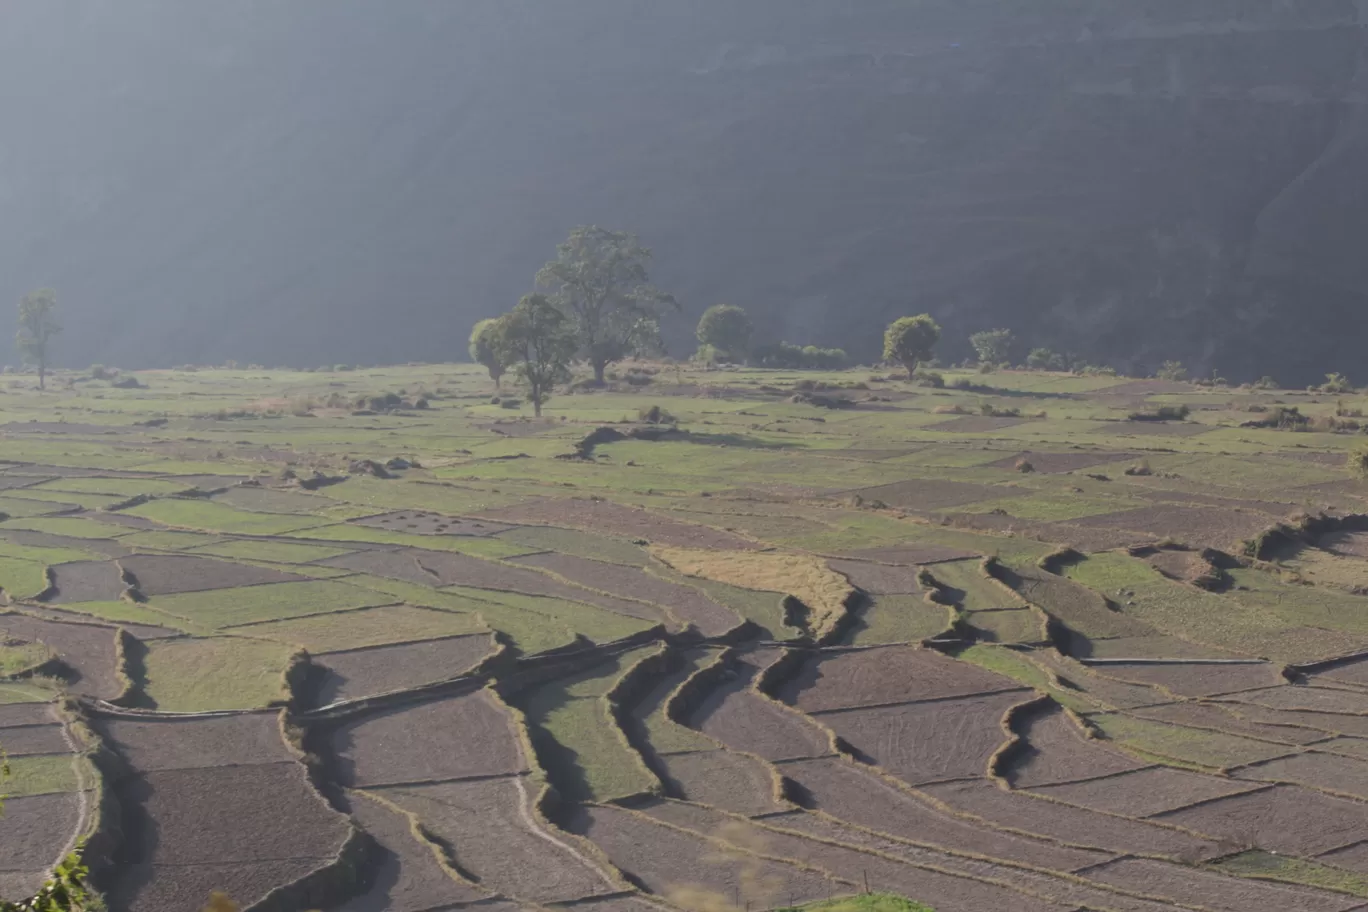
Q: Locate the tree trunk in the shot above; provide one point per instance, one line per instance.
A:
(598, 371)
(536, 400)
(42, 372)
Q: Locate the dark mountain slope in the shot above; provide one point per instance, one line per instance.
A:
(346, 180)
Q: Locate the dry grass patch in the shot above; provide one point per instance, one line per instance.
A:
(825, 592)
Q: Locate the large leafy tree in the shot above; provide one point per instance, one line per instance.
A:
(484, 351)
(537, 339)
(911, 340)
(599, 279)
(37, 325)
(727, 328)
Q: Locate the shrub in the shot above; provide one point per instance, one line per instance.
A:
(1172, 370)
(1023, 465)
(1264, 383)
(1358, 462)
(1335, 383)
(928, 378)
(1045, 359)
(793, 357)
(100, 372)
(1163, 413)
(510, 402)
(1140, 468)
(989, 410)
(656, 415)
(992, 345)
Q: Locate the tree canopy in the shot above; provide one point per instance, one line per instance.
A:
(599, 279)
(538, 341)
(38, 323)
(994, 346)
(911, 340)
(727, 329)
(484, 350)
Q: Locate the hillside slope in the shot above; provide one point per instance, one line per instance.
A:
(341, 180)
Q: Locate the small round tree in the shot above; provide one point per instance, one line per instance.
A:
(483, 349)
(727, 328)
(911, 340)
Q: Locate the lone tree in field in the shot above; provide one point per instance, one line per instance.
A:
(599, 280)
(483, 349)
(727, 329)
(911, 340)
(537, 340)
(993, 346)
(37, 325)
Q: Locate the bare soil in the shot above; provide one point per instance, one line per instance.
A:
(974, 424)
(723, 779)
(886, 674)
(1310, 699)
(86, 581)
(1225, 718)
(448, 738)
(925, 495)
(162, 888)
(1197, 526)
(452, 569)
(1045, 886)
(1056, 463)
(667, 861)
(1218, 892)
(1142, 792)
(949, 892)
(170, 743)
(1087, 539)
(26, 714)
(859, 796)
(1284, 818)
(1331, 772)
(166, 574)
(1355, 672)
(88, 649)
(383, 669)
(421, 522)
(1196, 680)
(929, 742)
(684, 602)
(28, 740)
(254, 813)
(1021, 811)
(407, 877)
(878, 579)
(631, 523)
(399, 564)
(1056, 750)
(1354, 858)
(1327, 722)
(745, 721)
(494, 840)
(33, 832)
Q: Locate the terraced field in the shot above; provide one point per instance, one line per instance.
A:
(256, 641)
